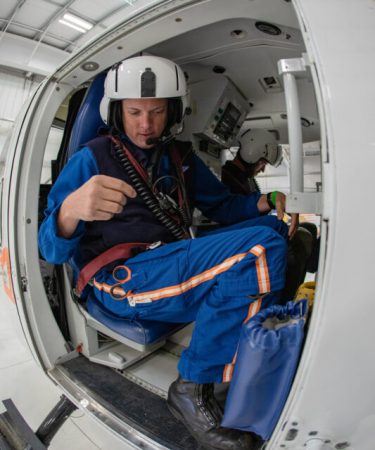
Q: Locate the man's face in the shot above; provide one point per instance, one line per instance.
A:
(143, 119)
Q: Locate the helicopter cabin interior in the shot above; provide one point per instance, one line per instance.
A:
(231, 65)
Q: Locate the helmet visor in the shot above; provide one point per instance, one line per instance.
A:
(274, 154)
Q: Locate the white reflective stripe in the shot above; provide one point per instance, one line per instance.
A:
(228, 369)
(147, 297)
(257, 250)
(262, 269)
(107, 288)
(263, 272)
(227, 373)
(191, 283)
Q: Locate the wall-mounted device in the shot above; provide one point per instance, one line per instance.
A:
(218, 111)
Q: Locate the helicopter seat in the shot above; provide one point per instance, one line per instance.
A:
(141, 333)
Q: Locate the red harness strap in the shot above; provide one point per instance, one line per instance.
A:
(120, 251)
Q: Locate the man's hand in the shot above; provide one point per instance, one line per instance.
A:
(100, 198)
(280, 210)
(294, 222)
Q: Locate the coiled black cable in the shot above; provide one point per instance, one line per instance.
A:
(185, 216)
(184, 212)
(148, 197)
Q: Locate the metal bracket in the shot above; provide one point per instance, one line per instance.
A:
(293, 65)
(306, 202)
(15, 431)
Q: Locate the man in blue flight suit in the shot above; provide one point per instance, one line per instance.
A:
(139, 185)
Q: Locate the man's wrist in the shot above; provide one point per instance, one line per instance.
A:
(66, 224)
(270, 201)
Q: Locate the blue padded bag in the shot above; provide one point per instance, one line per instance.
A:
(268, 353)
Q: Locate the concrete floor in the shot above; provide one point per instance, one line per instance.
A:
(23, 381)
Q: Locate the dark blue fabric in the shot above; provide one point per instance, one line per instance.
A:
(136, 223)
(140, 331)
(211, 280)
(209, 195)
(264, 370)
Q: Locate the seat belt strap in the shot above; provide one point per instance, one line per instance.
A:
(119, 251)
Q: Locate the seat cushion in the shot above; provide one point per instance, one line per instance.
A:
(140, 331)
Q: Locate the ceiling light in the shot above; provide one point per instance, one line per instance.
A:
(71, 25)
(76, 23)
(90, 66)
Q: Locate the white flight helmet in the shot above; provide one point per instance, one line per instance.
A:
(146, 77)
(259, 144)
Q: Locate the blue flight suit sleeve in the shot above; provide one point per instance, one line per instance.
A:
(79, 169)
(215, 200)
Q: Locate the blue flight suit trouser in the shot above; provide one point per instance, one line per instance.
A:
(218, 280)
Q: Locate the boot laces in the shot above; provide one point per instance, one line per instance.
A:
(208, 404)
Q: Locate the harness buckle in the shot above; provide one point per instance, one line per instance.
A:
(154, 245)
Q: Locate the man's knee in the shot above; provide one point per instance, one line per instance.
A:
(276, 224)
(302, 242)
(271, 238)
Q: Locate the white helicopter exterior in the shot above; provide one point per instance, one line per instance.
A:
(323, 69)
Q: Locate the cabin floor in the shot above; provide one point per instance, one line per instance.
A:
(142, 409)
(138, 395)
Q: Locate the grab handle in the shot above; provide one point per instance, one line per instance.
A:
(297, 200)
(288, 68)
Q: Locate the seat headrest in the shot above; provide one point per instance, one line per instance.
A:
(88, 120)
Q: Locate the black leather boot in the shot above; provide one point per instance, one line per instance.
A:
(196, 407)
